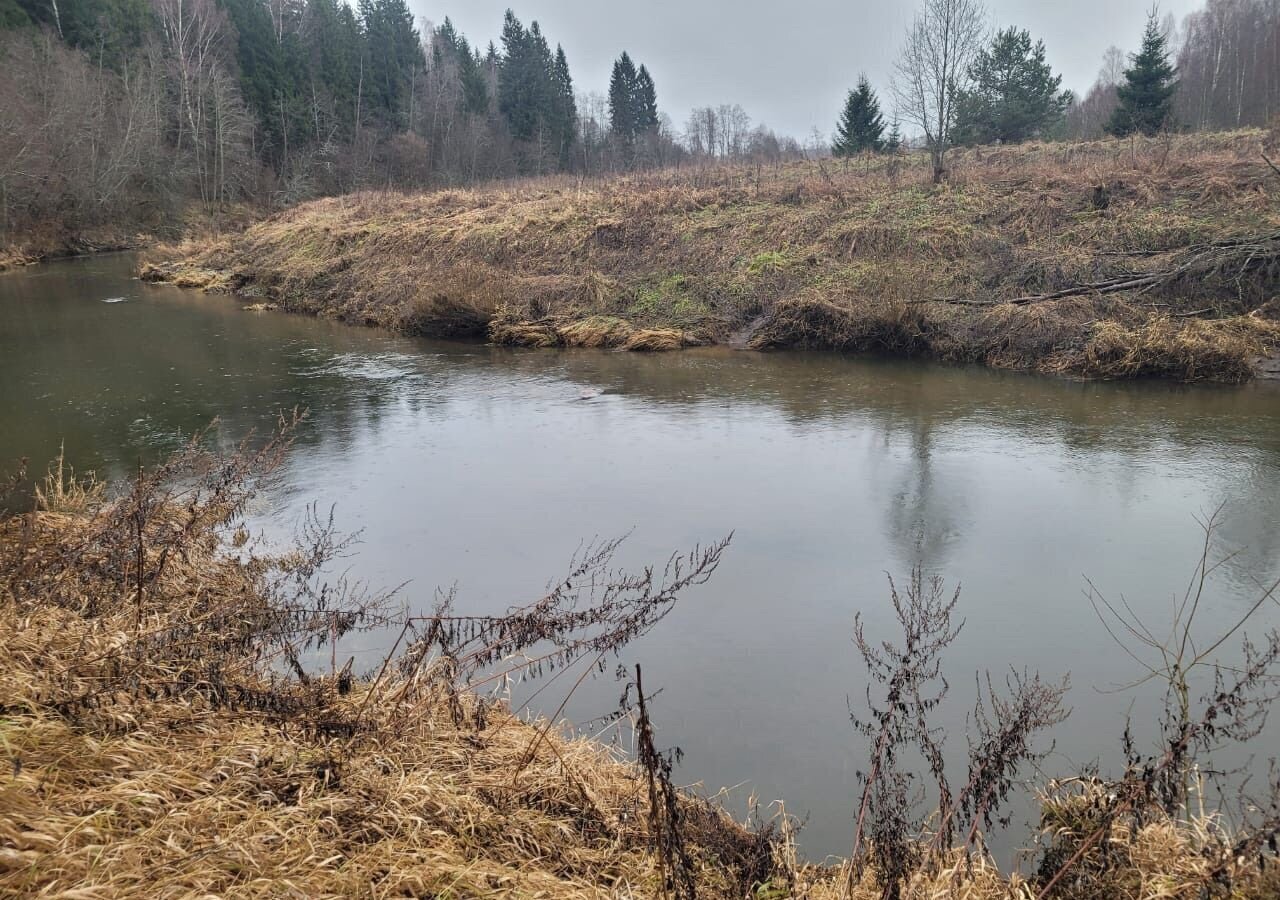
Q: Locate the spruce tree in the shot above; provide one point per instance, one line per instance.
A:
(623, 115)
(516, 79)
(475, 91)
(646, 101)
(394, 56)
(565, 109)
(893, 143)
(1014, 94)
(106, 29)
(1146, 94)
(861, 124)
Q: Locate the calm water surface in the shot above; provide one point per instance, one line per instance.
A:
(486, 468)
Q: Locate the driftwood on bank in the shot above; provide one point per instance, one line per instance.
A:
(1198, 260)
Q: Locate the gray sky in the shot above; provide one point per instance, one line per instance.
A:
(788, 64)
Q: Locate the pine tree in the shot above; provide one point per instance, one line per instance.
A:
(1146, 95)
(861, 125)
(623, 116)
(1014, 95)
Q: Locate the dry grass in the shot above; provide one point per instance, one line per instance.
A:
(825, 253)
(1221, 349)
(165, 743)
(160, 739)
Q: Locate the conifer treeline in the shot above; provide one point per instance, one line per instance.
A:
(122, 111)
(1220, 70)
(1226, 68)
(282, 100)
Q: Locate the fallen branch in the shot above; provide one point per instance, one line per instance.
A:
(1198, 260)
(1271, 164)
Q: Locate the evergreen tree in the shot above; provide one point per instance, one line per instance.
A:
(393, 57)
(646, 102)
(107, 29)
(893, 143)
(333, 47)
(1014, 94)
(273, 78)
(517, 77)
(475, 89)
(564, 107)
(1146, 94)
(624, 118)
(861, 125)
(535, 95)
(633, 100)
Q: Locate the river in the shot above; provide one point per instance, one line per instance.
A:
(486, 468)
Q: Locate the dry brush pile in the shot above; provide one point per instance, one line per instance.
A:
(1110, 259)
(175, 722)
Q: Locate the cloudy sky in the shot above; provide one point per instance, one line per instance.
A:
(788, 64)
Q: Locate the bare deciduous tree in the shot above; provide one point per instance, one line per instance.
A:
(933, 69)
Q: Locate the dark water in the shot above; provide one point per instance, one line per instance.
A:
(485, 467)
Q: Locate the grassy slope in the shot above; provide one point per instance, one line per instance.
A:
(819, 256)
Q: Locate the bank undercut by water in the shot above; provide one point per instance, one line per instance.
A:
(1110, 259)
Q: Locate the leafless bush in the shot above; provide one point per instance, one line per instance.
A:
(1081, 816)
(666, 820)
(889, 834)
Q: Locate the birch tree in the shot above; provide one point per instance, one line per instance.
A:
(932, 70)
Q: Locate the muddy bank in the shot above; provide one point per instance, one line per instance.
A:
(1107, 260)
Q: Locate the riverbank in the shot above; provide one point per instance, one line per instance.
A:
(53, 241)
(1106, 260)
(162, 736)
(41, 247)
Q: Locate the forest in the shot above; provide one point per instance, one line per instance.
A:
(139, 114)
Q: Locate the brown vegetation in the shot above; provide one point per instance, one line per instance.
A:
(174, 722)
(1109, 259)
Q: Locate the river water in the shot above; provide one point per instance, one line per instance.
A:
(486, 468)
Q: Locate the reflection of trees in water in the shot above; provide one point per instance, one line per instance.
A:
(1250, 521)
(921, 510)
(134, 378)
(122, 383)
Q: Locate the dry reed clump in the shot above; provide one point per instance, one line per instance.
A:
(597, 331)
(709, 251)
(656, 340)
(1189, 350)
(1153, 856)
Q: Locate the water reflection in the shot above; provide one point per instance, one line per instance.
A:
(486, 466)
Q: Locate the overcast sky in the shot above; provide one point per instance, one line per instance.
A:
(788, 64)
